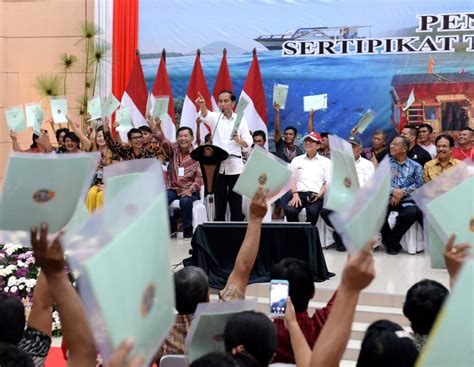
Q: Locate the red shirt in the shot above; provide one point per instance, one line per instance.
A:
(460, 154)
(310, 326)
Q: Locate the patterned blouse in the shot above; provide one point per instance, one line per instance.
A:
(126, 152)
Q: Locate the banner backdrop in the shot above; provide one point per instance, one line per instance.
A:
(409, 61)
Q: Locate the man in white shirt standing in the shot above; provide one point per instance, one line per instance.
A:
(365, 169)
(424, 139)
(222, 125)
(309, 190)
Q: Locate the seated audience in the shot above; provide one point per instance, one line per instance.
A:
(147, 134)
(301, 291)
(184, 180)
(465, 148)
(310, 188)
(387, 344)
(444, 159)
(134, 151)
(215, 359)
(378, 151)
(365, 169)
(325, 150)
(250, 338)
(406, 177)
(424, 139)
(60, 134)
(415, 152)
(40, 144)
(422, 305)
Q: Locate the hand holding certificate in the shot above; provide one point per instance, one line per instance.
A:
(124, 118)
(344, 183)
(266, 170)
(15, 118)
(316, 102)
(59, 109)
(94, 108)
(34, 116)
(365, 121)
(110, 105)
(358, 223)
(243, 103)
(160, 107)
(280, 94)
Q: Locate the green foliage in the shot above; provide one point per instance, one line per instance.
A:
(48, 85)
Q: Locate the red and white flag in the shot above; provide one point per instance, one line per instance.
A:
(197, 83)
(162, 87)
(255, 113)
(136, 94)
(223, 81)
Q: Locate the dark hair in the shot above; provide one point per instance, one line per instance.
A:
(72, 135)
(291, 128)
(255, 332)
(12, 319)
(423, 303)
(191, 287)
(467, 128)
(184, 128)
(413, 130)
(383, 347)
(324, 134)
(12, 356)
(260, 133)
(232, 95)
(214, 359)
(60, 131)
(133, 130)
(145, 129)
(380, 132)
(34, 144)
(405, 141)
(301, 284)
(428, 126)
(447, 137)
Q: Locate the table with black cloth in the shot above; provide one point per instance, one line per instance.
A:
(216, 245)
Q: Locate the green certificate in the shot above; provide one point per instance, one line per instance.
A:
(359, 222)
(207, 329)
(160, 107)
(344, 183)
(34, 116)
(243, 103)
(124, 118)
(15, 118)
(264, 169)
(280, 94)
(139, 302)
(451, 341)
(49, 197)
(59, 109)
(110, 105)
(94, 108)
(365, 121)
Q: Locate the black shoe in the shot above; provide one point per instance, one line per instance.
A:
(188, 232)
(392, 251)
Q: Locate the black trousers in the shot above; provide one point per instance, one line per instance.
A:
(407, 215)
(312, 209)
(325, 215)
(224, 194)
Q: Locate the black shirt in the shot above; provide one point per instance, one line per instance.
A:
(419, 155)
(286, 153)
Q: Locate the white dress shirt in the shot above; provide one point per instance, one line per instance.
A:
(313, 172)
(222, 126)
(365, 169)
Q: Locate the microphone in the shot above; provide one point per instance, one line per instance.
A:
(217, 124)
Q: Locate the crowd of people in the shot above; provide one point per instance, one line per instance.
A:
(250, 338)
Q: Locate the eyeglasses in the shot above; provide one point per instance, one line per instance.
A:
(136, 138)
(311, 141)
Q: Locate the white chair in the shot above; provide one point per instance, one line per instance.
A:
(174, 360)
(199, 210)
(412, 240)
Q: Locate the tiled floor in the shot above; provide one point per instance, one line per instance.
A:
(395, 274)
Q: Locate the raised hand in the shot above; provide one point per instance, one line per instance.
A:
(359, 270)
(454, 257)
(119, 356)
(13, 135)
(258, 206)
(49, 257)
(200, 99)
(276, 107)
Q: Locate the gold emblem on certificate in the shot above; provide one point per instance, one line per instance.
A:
(347, 182)
(43, 196)
(148, 299)
(471, 225)
(263, 178)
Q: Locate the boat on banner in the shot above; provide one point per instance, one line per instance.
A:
(443, 100)
(275, 41)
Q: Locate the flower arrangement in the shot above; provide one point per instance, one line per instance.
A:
(18, 275)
